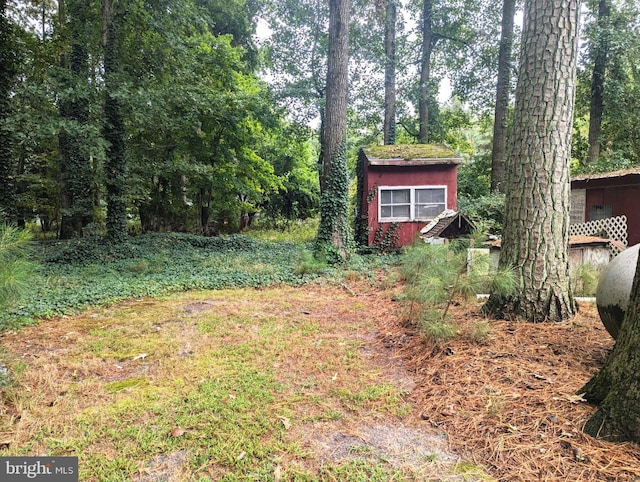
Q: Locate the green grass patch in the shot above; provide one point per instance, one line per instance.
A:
(359, 470)
(228, 376)
(227, 380)
(299, 232)
(121, 385)
(380, 397)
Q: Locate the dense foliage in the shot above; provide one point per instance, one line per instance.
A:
(219, 124)
(616, 40)
(162, 124)
(87, 271)
(90, 271)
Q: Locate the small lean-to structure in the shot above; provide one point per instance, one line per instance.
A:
(447, 225)
(401, 188)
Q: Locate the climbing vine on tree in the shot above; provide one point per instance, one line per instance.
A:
(334, 233)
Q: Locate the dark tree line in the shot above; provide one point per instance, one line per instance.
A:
(147, 111)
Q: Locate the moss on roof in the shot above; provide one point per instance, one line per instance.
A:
(410, 151)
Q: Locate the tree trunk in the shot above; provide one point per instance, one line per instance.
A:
(536, 228)
(616, 387)
(389, 128)
(501, 117)
(333, 233)
(114, 132)
(599, 51)
(8, 64)
(425, 71)
(75, 168)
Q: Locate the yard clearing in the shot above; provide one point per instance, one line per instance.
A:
(321, 382)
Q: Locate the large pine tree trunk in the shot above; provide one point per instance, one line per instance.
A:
(599, 51)
(536, 232)
(389, 128)
(114, 132)
(616, 388)
(425, 71)
(334, 233)
(501, 117)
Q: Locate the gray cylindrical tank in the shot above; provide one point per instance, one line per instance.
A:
(614, 289)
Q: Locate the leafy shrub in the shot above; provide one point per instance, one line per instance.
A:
(487, 210)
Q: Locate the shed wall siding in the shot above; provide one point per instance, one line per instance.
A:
(623, 200)
(375, 176)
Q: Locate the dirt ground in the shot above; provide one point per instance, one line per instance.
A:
(505, 401)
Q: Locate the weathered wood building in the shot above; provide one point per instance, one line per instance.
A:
(402, 188)
(607, 195)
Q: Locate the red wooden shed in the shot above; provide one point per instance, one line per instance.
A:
(401, 189)
(606, 195)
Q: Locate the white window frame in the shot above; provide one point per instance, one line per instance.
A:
(412, 202)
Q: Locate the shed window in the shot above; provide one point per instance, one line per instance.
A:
(420, 203)
(599, 212)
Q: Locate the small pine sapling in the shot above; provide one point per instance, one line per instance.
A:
(436, 275)
(16, 270)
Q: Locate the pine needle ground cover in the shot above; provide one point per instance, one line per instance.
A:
(508, 400)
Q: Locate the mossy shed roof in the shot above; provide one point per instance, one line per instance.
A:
(410, 154)
(633, 172)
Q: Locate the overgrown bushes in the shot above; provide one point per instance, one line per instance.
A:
(90, 271)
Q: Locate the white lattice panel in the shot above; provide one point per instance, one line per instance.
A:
(612, 228)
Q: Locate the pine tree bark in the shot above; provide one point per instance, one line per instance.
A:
(389, 127)
(616, 387)
(114, 132)
(425, 71)
(333, 233)
(599, 51)
(536, 233)
(501, 113)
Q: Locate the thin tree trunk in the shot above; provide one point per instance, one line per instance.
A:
(389, 128)
(501, 117)
(333, 233)
(600, 49)
(75, 168)
(425, 71)
(114, 132)
(536, 233)
(8, 63)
